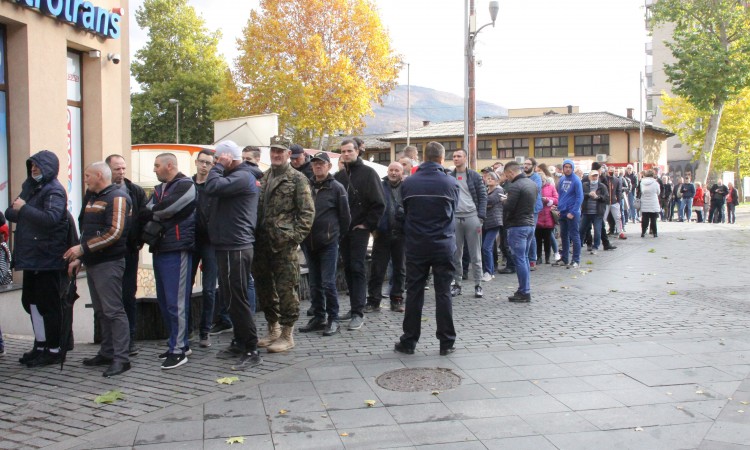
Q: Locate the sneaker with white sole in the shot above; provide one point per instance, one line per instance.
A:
(574, 265)
(166, 354)
(487, 277)
(356, 322)
(174, 360)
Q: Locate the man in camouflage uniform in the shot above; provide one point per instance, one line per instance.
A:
(285, 216)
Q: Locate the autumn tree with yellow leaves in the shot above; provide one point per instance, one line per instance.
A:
(690, 124)
(317, 63)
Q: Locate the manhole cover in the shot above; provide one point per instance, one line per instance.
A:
(419, 379)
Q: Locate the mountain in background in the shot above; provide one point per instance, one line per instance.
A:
(426, 104)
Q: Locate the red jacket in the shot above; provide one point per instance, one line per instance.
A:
(698, 199)
(545, 217)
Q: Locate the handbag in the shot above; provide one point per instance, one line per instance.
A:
(637, 203)
(153, 232)
(555, 213)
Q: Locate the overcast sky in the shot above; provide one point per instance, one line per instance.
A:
(587, 53)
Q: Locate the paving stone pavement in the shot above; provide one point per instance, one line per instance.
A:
(643, 347)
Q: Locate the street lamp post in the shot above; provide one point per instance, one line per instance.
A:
(470, 116)
(408, 104)
(174, 101)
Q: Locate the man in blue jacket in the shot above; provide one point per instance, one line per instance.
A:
(430, 197)
(172, 207)
(39, 244)
(570, 193)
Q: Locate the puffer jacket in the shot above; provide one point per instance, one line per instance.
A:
(41, 234)
(549, 193)
(698, 198)
(601, 201)
(494, 217)
(173, 204)
(477, 190)
(649, 195)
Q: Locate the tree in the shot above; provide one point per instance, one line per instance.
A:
(317, 63)
(180, 61)
(732, 149)
(711, 46)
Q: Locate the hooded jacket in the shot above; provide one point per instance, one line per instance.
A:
(649, 195)
(331, 213)
(234, 211)
(549, 194)
(570, 193)
(365, 194)
(41, 234)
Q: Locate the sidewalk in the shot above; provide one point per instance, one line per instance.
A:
(643, 347)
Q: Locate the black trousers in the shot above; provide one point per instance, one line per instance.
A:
(129, 287)
(417, 270)
(234, 273)
(353, 254)
(543, 240)
(649, 219)
(44, 289)
(386, 248)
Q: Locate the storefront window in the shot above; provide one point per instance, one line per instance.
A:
(4, 191)
(75, 104)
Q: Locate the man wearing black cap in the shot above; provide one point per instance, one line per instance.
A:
(321, 246)
(299, 160)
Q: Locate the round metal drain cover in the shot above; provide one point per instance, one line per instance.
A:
(418, 379)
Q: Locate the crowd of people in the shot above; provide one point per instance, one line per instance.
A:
(242, 228)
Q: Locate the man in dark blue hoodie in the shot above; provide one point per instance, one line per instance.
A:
(39, 244)
(570, 193)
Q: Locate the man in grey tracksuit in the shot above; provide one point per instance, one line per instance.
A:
(470, 213)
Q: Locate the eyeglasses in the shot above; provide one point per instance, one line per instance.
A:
(204, 163)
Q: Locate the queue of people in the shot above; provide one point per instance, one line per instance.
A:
(242, 227)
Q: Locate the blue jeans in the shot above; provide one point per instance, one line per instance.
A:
(532, 249)
(586, 221)
(321, 274)
(569, 232)
(488, 241)
(631, 203)
(686, 207)
(519, 241)
(204, 253)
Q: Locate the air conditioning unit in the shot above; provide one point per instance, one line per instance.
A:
(520, 159)
(601, 157)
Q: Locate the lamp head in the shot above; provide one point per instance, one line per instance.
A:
(174, 101)
(494, 9)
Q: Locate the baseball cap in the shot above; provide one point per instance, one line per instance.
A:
(297, 150)
(321, 156)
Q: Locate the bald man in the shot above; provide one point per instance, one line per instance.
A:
(389, 244)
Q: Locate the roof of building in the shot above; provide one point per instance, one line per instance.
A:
(554, 123)
(372, 141)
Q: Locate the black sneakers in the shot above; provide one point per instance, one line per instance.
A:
(332, 328)
(248, 360)
(520, 298)
(46, 358)
(97, 360)
(478, 293)
(401, 348)
(314, 324)
(174, 360)
(220, 328)
(455, 290)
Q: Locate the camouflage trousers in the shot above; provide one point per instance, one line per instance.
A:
(277, 284)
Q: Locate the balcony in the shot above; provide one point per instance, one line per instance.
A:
(649, 46)
(649, 70)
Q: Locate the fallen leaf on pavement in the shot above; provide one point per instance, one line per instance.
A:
(652, 250)
(344, 434)
(613, 290)
(283, 411)
(109, 397)
(698, 392)
(670, 282)
(672, 292)
(370, 403)
(589, 262)
(425, 319)
(227, 380)
(435, 392)
(236, 440)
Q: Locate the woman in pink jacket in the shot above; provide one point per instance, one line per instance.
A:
(546, 224)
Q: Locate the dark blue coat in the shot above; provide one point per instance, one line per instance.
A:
(430, 197)
(41, 235)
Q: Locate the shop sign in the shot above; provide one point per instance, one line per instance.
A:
(82, 14)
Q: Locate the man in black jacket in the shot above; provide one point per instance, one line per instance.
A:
(321, 246)
(137, 196)
(518, 220)
(232, 222)
(430, 197)
(388, 245)
(470, 213)
(299, 160)
(366, 205)
(595, 199)
(104, 222)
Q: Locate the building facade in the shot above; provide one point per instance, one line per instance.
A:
(583, 137)
(64, 87)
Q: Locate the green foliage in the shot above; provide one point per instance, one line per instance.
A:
(180, 61)
(711, 45)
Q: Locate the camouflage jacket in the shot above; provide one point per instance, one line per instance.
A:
(285, 210)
